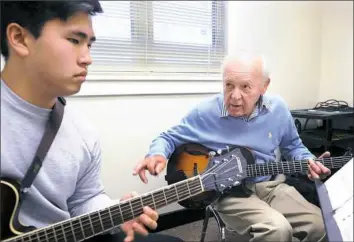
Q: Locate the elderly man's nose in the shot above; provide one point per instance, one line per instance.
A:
(236, 94)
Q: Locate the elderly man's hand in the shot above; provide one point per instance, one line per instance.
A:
(148, 218)
(318, 170)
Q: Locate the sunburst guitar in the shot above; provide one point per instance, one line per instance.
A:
(193, 159)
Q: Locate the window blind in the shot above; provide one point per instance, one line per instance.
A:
(159, 37)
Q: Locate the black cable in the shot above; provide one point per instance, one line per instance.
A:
(330, 105)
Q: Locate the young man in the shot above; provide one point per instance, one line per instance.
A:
(46, 45)
(244, 116)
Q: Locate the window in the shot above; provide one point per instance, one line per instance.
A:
(142, 37)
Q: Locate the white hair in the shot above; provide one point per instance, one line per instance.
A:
(246, 58)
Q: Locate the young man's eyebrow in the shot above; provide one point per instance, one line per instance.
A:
(84, 35)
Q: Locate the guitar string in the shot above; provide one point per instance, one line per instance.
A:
(289, 169)
(296, 164)
(116, 210)
(98, 223)
(333, 161)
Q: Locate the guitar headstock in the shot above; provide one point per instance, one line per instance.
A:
(225, 170)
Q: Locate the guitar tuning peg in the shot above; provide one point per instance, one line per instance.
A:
(236, 183)
(212, 154)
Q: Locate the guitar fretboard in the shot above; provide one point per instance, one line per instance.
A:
(89, 225)
(290, 167)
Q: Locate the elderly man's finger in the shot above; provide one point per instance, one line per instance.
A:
(313, 174)
(324, 169)
(314, 167)
(325, 154)
(140, 166)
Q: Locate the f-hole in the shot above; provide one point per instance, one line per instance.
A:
(195, 169)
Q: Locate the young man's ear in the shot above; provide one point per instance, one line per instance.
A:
(17, 39)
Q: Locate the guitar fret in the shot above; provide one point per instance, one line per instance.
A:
(164, 194)
(106, 219)
(183, 187)
(146, 200)
(331, 160)
(67, 227)
(176, 192)
(82, 228)
(62, 227)
(159, 198)
(171, 194)
(153, 201)
(72, 230)
(96, 223)
(126, 211)
(100, 219)
(121, 213)
(87, 226)
(189, 191)
(268, 169)
(286, 169)
(111, 217)
(76, 229)
(42, 235)
(50, 231)
(131, 208)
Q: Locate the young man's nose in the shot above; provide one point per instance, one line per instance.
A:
(85, 59)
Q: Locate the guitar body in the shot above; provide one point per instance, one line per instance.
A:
(9, 202)
(192, 159)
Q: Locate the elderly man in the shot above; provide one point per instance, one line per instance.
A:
(243, 115)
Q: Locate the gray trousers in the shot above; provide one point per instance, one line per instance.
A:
(274, 212)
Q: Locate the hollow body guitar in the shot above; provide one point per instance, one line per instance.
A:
(217, 177)
(192, 159)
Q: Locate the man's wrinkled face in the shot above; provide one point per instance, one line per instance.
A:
(243, 85)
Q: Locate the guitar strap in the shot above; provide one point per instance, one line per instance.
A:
(52, 128)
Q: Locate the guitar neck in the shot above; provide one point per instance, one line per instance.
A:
(290, 167)
(88, 225)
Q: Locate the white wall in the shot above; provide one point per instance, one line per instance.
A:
(289, 34)
(337, 52)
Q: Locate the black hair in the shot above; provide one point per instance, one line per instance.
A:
(32, 15)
